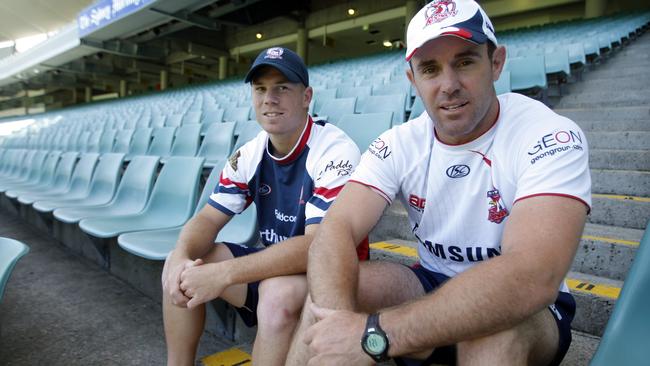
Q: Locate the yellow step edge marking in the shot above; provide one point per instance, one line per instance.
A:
(611, 240)
(230, 357)
(611, 292)
(625, 198)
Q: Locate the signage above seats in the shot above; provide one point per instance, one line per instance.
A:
(105, 12)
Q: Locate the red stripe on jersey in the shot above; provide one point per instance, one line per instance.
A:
(379, 191)
(557, 195)
(301, 144)
(327, 193)
(227, 182)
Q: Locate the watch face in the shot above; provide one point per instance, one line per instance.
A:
(375, 344)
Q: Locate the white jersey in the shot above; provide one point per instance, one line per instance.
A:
(458, 197)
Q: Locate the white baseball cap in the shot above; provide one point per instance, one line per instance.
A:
(461, 18)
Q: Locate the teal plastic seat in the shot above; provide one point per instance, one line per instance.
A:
(156, 244)
(106, 141)
(354, 91)
(61, 181)
(101, 187)
(217, 143)
(213, 115)
(186, 142)
(10, 252)
(161, 145)
(33, 170)
(556, 63)
(171, 204)
(46, 179)
(248, 132)
(93, 142)
(236, 114)
(174, 120)
(320, 97)
(123, 141)
(191, 117)
(334, 109)
(384, 103)
(527, 72)
(20, 167)
(363, 129)
(130, 198)
(626, 336)
(503, 84)
(79, 182)
(140, 142)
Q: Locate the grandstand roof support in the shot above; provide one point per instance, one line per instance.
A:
(126, 49)
(191, 51)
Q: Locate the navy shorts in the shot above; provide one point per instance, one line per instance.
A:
(563, 311)
(248, 312)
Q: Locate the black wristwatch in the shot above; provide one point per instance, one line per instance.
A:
(374, 341)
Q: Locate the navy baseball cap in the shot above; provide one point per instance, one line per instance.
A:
(461, 18)
(283, 59)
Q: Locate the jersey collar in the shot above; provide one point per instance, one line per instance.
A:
(298, 147)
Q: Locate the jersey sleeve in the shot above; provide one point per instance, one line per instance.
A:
(332, 169)
(377, 168)
(554, 162)
(231, 195)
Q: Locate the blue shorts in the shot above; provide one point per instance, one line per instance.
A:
(248, 312)
(563, 311)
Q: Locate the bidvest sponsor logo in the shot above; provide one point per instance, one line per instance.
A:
(417, 203)
(280, 216)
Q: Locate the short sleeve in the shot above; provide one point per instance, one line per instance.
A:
(555, 162)
(331, 170)
(231, 195)
(377, 168)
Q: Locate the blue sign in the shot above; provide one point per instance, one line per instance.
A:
(105, 12)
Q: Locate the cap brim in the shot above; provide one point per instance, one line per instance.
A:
(290, 75)
(466, 34)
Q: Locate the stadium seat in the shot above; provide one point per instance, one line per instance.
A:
(556, 64)
(20, 167)
(78, 184)
(156, 244)
(46, 179)
(212, 116)
(100, 189)
(106, 141)
(130, 198)
(365, 128)
(32, 172)
(191, 117)
(217, 143)
(528, 76)
(140, 142)
(417, 108)
(334, 109)
(174, 120)
(503, 84)
(10, 252)
(354, 91)
(93, 142)
(628, 329)
(171, 204)
(123, 140)
(161, 144)
(236, 114)
(320, 97)
(186, 142)
(384, 103)
(248, 132)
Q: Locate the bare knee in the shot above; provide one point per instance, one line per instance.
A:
(533, 342)
(280, 302)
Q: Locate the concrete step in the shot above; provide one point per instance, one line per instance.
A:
(625, 182)
(604, 71)
(631, 113)
(619, 159)
(621, 140)
(614, 125)
(595, 296)
(599, 100)
(592, 84)
(622, 211)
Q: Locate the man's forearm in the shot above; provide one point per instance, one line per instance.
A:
(333, 267)
(196, 238)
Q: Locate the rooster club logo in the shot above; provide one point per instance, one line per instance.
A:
(458, 171)
(496, 211)
(439, 10)
(274, 53)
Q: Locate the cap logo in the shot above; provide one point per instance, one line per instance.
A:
(439, 10)
(274, 53)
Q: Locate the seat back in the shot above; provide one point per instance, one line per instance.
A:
(141, 140)
(217, 142)
(64, 170)
(83, 173)
(557, 61)
(236, 114)
(49, 167)
(163, 138)
(417, 108)
(192, 117)
(36, 169)
(21, 170)
(107, 140)
(93, 141)
(502, 85)
(186, 142)
(10, 252)
(627, 332)
(175, 192)
(527, 72)
(137, 181)
(365, 128)
(212, 116)
(106, 177)
(334, 109)
(354, 91)
(123, 141)
(384, 103)
(248, 132)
